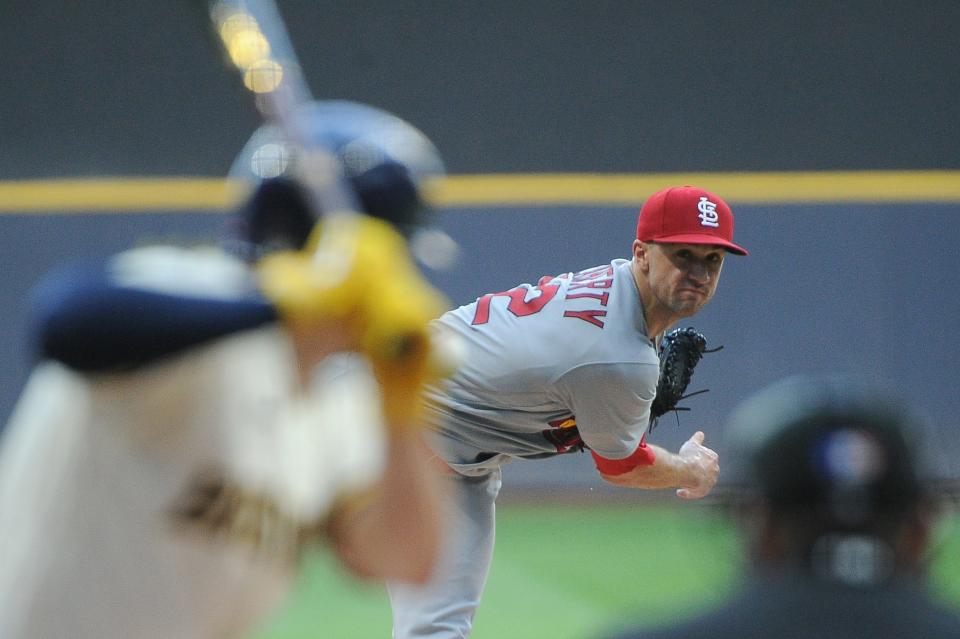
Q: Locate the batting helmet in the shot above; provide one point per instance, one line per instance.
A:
(385, 161)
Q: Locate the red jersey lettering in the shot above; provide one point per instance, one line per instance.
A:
(601, 297)
(588, 316)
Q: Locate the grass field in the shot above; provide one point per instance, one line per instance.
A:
(565, 572)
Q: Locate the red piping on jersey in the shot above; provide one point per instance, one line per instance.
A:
(642, 456)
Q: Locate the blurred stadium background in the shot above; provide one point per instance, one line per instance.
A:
(832, 128)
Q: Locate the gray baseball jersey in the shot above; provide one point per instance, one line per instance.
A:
(571, 351)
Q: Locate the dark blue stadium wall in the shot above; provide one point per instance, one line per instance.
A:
(136, 88)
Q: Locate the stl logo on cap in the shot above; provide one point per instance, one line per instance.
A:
(708, 212)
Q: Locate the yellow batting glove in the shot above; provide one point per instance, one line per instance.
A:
(360, 269)
(326, 279)
(395, 315)
(397, 338)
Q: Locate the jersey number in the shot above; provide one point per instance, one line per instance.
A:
(519, 305)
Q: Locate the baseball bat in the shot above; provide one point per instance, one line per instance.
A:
(255, 40)
(256, 43)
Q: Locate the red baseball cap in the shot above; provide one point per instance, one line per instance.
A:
(687, 215)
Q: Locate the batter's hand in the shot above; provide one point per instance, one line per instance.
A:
(702, 467)
(396, 338)
(359, 272)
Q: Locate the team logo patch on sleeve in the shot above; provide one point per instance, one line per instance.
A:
(563, 434)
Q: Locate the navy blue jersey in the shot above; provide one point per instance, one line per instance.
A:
(797, 607)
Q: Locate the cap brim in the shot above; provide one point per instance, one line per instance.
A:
(696, 238)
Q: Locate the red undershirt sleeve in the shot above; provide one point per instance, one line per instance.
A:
(642, 456)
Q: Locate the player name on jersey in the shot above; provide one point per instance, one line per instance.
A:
(583, 285)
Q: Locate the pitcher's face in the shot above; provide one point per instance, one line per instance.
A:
(683, 277)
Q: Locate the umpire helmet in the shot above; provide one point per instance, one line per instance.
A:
(385, 160)
(843, 452)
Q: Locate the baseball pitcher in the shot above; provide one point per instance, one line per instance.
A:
(570, 363)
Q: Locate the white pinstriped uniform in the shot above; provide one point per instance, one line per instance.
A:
(99, 475)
